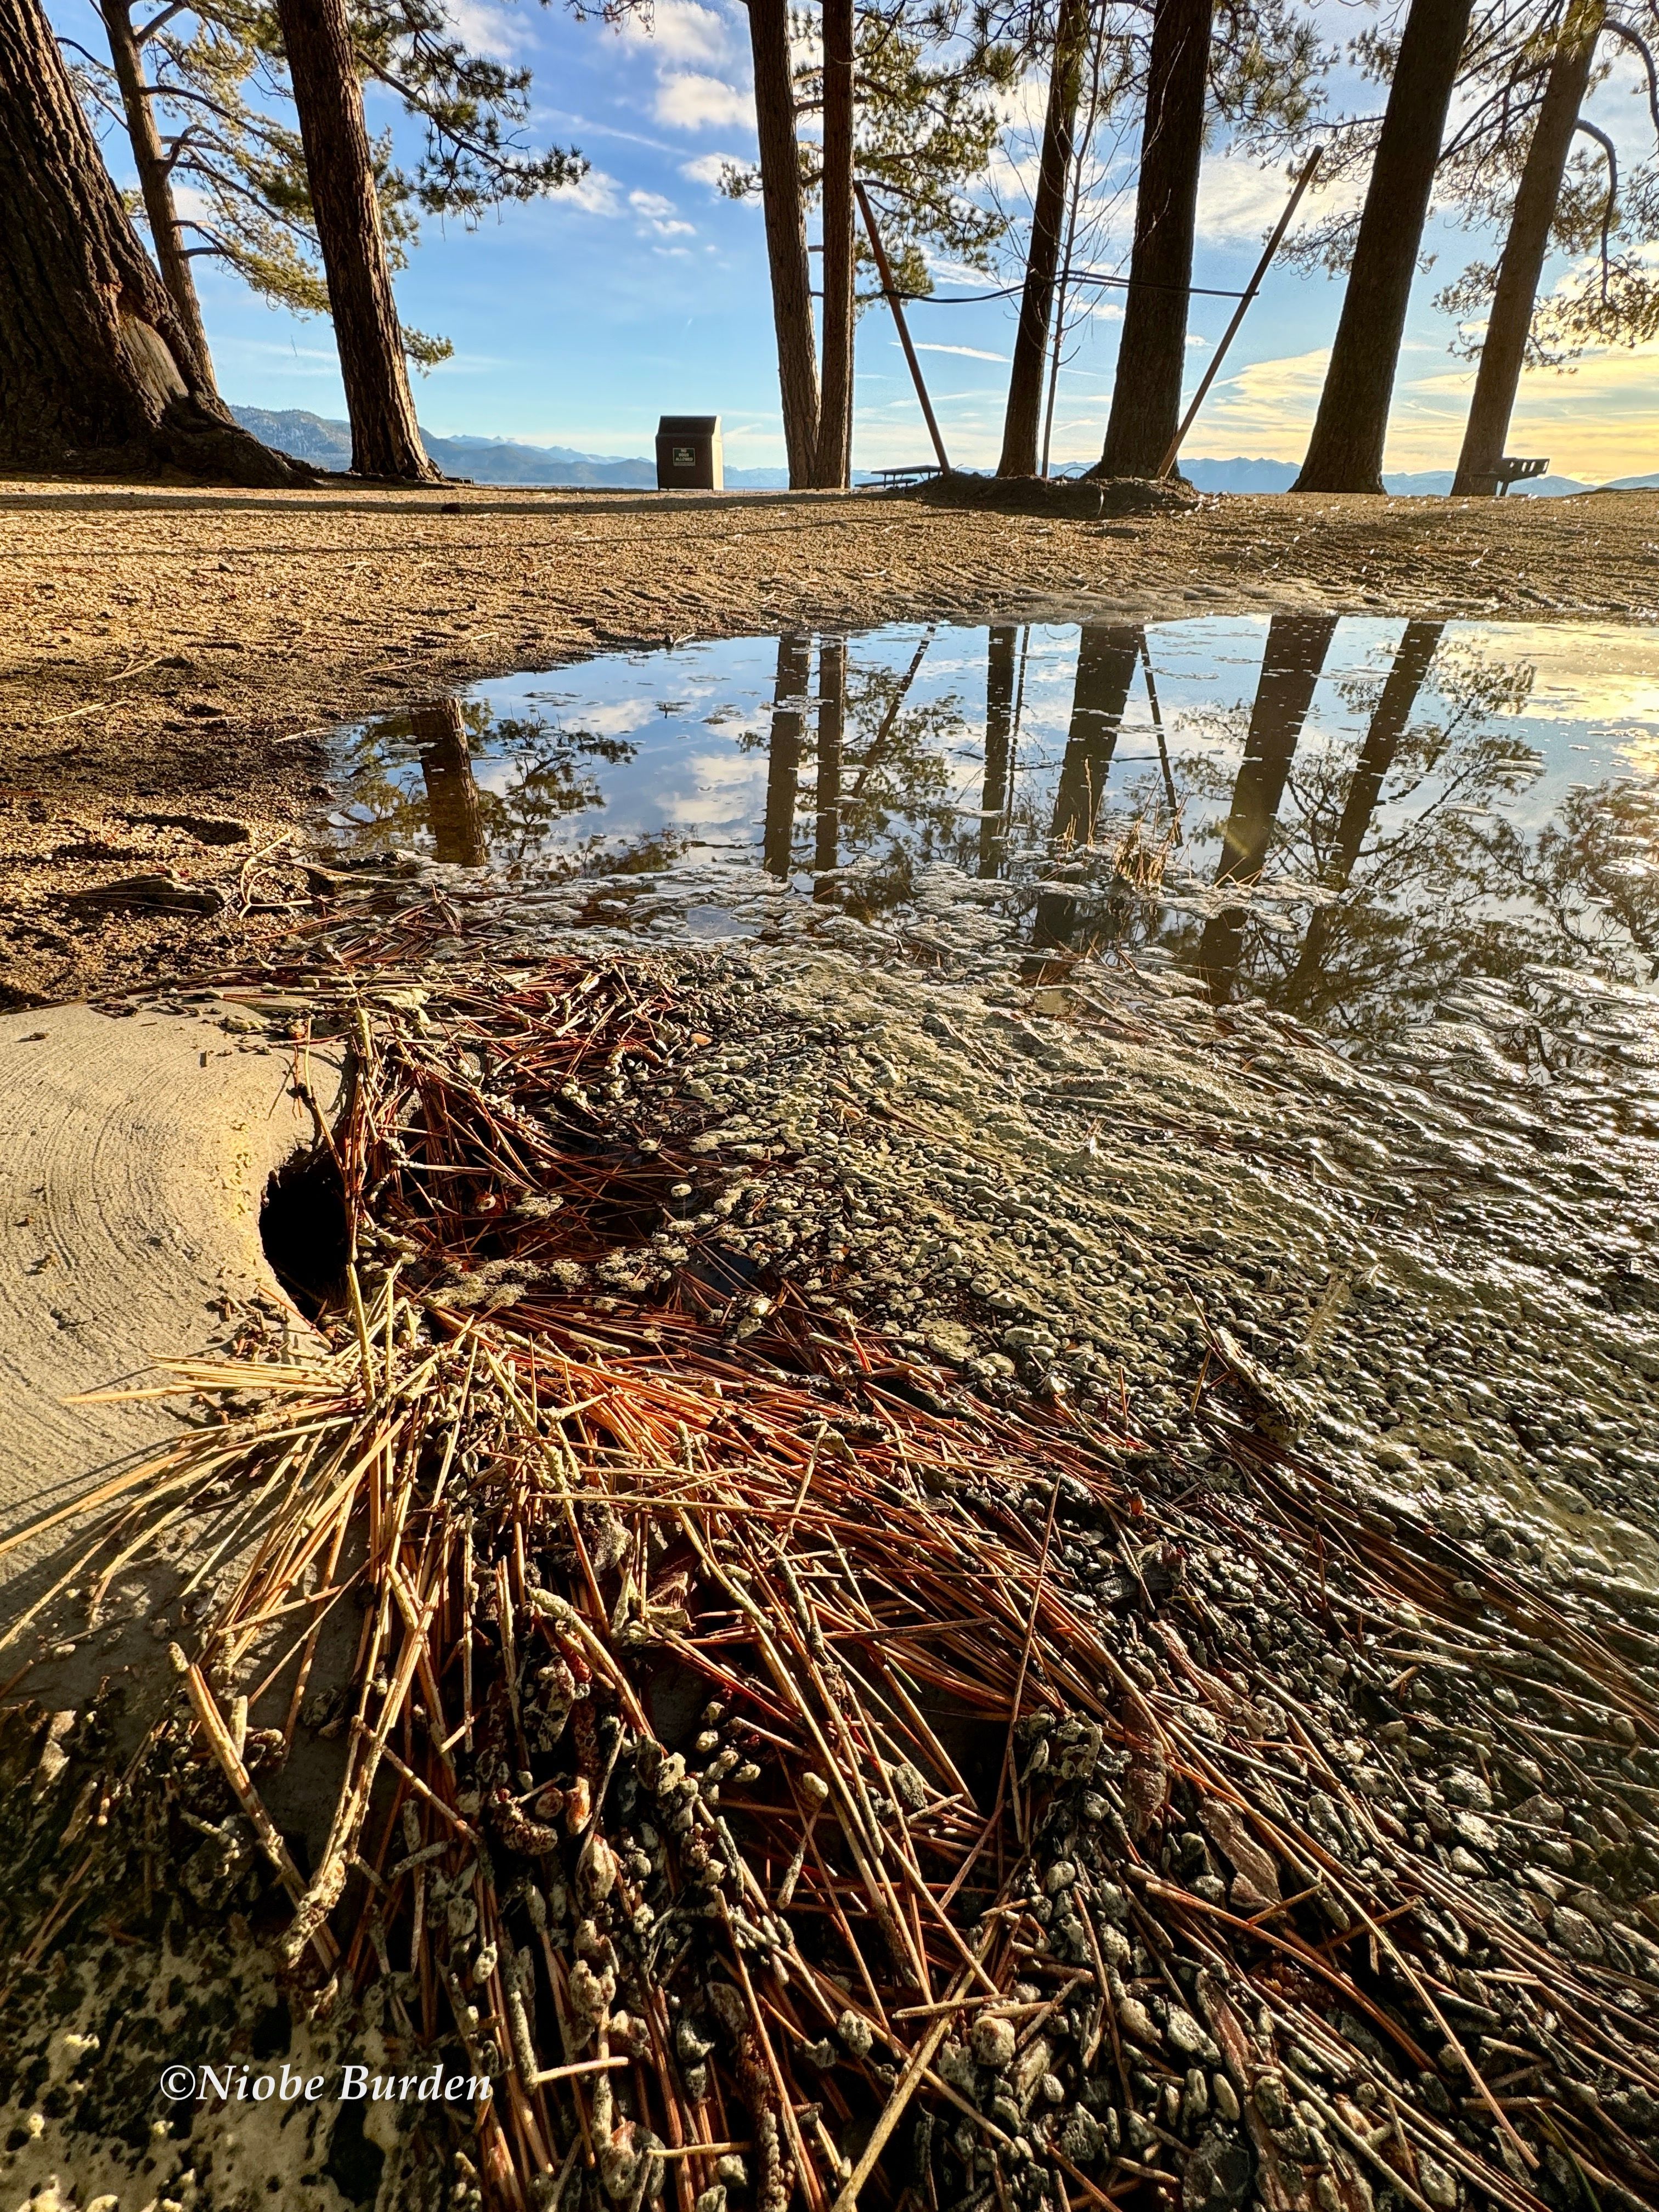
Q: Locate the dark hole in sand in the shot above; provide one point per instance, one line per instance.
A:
(354, 2163)
(303, 1229)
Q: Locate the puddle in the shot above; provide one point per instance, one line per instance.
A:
(1347, 818)
(1435, 846)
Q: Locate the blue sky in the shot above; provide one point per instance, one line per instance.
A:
(577, 320)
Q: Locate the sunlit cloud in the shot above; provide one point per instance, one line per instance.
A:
(658, 217)
(597, 193)
(1594, 424)
(709, 168)
(683, 31)
(488, 29)
(691, 100)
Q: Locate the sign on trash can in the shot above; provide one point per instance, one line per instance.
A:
(688, 454)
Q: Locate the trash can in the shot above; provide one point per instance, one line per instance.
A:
(688, 454)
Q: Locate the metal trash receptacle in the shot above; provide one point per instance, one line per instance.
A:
(689, 456)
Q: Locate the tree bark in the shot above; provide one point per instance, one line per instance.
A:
(329, 100)
(1152, 356)
(784, 205)
(1107, 655)
(1001, 639)
(835, 410)
(452, 792)
(1036, 305)
(1290, 665)
(1504, 351)
(832, 713)
(97, 371)
(155, 182)
(784, 753)
(1346, 451)
(1392, 713)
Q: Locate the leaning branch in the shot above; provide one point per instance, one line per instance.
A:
(1639, 46)
(1608, 205)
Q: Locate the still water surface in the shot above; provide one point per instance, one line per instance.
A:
(1342, 816)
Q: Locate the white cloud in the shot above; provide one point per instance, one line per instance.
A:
(1092, 307)
(486, 29)
(689, 100)
(1266, 408)
(657, 216)
(597, 193)
(1239, 202)
(968, 353)
(708, 169)
(684, 30)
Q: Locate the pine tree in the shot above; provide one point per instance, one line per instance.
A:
(1153, 349)
(781, 186)
(1504, 350)
(925, 121)
(835, 449)
(1346, 451)
(97, 368)
(340, 171)
(1054, 169)
(205, 103)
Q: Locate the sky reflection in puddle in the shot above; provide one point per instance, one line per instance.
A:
(1342, 816)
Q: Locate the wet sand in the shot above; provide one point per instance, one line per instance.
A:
(172, 656)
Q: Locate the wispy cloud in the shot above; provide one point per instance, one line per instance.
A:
(968, 353)
(1239, 201)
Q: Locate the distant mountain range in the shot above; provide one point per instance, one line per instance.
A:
(1238, 476)
(327, 444)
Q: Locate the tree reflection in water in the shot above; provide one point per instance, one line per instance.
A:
(1430, 879)
(879, 798)
(412, 782)
(1358, 859)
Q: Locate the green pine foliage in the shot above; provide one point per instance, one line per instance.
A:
(218, 89)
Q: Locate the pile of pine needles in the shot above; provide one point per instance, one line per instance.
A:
(785, 1775)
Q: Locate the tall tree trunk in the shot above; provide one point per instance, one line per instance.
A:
(1036, 305)
(96, 369)
(836, 411)
(1387, 725)
(1107, 655)
(1290, 665)
(1001, 641)
(1151, 355)
(329, 100)
(785, 207)
(1504, 350)
(784, 752)
(452, 792)
(1346, 451)
(832, 708)
(155, 181)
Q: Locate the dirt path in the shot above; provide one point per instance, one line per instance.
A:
(170, 657)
